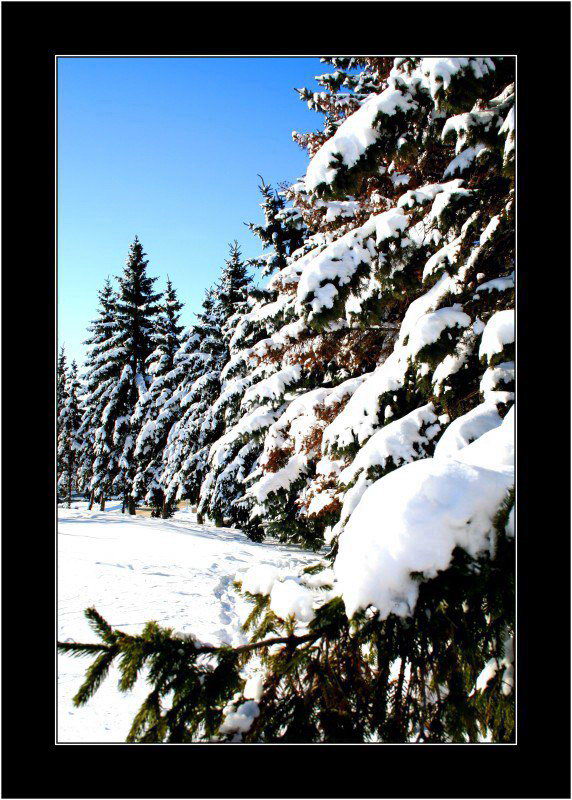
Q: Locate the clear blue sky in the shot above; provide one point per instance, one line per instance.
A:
(168, 149)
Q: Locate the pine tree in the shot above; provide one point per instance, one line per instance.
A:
(62, 372)
(61, 378)
(402, 457)
(204, 414)
(101, 370)
(152, 414)
(69, 420)
(232, 289)
(136, 312)
(199, 363)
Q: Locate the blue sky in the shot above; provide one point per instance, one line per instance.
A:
(168, 149)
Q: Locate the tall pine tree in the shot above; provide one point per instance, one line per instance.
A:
(205, 353)
(101, 370)
(136, 313)
(153, 414)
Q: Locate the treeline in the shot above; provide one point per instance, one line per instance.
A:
(130, 426)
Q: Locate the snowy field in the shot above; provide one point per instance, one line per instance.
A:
(136, 569)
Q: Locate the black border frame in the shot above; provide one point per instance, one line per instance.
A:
(538, 33)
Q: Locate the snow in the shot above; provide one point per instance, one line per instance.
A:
(497, 284)
(361, 129)
(486, 675)
(464, 159)
(427, 193)
(411, 521)
(259, 579)
(494, 449)
(360, 418)
(494, 379)
(289, 598)
(399, 441)
(461, 124)
(465, 429)
(239, 721)
(430, 326)
(253, 687)
(493, 665)
(136, 569)
(335, 266)
(292, 429)
(490, 229)
(354, 136)
(507, 129)
(273, 387)
(440, 71)
(498, 332)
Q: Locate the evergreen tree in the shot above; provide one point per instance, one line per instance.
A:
(205, 353)
(61, 378)
(136, 312)
(152, 414)
(199, 363)
(232, 289)
(69, 420)
(101, 370)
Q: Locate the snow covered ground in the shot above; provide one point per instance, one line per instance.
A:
(135, 569)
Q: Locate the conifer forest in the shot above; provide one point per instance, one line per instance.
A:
(304, 502)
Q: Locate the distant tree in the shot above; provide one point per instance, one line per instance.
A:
(204, 355)
(152, 414)
(62, 372)
(69, 445)
(199, 362)
(61, 378)
(232, 289)
(101, 370)
(135, 324)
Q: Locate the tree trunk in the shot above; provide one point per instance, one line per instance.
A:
(70, 482)
(131, 506)
(102, 503)
(164, 510)
(91, 499)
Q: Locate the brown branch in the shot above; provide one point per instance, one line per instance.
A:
(295, 640)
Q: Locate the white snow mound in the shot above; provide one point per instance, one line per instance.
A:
(412, 519)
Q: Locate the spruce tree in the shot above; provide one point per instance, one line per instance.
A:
(61, 378)
(136, 312)
(101, 370)
(232, 289)
(203, 414)
(198, 363)
(152, 414)
(69, 445)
